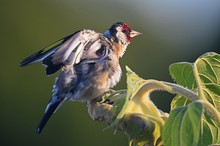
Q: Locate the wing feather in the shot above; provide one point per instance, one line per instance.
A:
(66, 51)
(44, 53)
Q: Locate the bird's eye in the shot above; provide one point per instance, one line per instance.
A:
(126, 31)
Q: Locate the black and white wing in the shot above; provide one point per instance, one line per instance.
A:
(66, 51)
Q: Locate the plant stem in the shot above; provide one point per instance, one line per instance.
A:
(154, 85)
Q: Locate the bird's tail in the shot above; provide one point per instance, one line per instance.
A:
(51, 108)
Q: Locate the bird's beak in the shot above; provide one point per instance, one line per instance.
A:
(134, 33)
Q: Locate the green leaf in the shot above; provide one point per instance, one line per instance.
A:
(204, 73)
(183, 127)
(207, 74)
(182, 73)
(208, 66)
(209, 133)
(179, 101)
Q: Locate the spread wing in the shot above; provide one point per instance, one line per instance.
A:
(66, 51)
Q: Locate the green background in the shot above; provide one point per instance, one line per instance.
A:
(172, 32)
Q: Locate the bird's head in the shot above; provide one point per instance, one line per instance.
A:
(121, 33)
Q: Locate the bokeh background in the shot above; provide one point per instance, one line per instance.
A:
(173, 31)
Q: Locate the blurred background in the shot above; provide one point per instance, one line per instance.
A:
(173, 31)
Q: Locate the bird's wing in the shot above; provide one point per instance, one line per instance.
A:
(45, 52)
(66, 51)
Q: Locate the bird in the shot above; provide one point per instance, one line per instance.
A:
(88, 62)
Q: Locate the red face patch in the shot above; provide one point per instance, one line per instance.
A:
(126, 29)
(125, 26)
